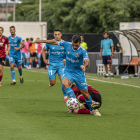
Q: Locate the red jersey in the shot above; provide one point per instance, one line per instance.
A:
(4, 40)
(77, 91)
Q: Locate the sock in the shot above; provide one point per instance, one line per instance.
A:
(82, 99)
(0, 78)
(136, 73)
(27, 63)
(107, 75)
(89, 103)
(15, 65)
(32, 64)
(111, 73)
(83, 111)
(39, 62)
(23, 60)
(20, 72)
(36, 62)
(13, 74)
(70, 92)
(65, 95)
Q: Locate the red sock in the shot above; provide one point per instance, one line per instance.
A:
(30, 63)
(82, 99)
(83, 111)
(0, 78)
(36, 62)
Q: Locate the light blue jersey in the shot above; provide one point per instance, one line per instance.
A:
(15, 56)
(106, 46)
(74, 59)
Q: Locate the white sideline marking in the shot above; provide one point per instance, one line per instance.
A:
(92, 79)
(113, 82)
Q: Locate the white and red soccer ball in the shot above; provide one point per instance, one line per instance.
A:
(72, 103)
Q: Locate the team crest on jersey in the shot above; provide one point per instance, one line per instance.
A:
(62, 47)
(77, 55)
(3, 40)
(107, 41)
(15, 40)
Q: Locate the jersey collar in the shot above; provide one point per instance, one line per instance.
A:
(13, 37)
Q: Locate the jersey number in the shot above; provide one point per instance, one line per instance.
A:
(50, 72)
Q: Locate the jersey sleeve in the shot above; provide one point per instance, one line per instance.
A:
(101, 44)
(47, 46)
(85, 55)
(20, 39)
(63, 43)
(111, 42)
(7, 41)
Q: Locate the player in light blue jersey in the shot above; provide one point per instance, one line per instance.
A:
(56, 57)
(76, 62)
(15, 56)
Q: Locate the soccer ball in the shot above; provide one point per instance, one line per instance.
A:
(72, 103)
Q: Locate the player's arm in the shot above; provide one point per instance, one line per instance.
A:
(53, 42)
(8, 49)
(21, 46)
(112, 47)
(101, 49)
(44, 56)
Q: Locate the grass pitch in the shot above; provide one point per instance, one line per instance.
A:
(34, 111)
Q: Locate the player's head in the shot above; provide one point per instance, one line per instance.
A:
(105, 35)
(82, 37)
(1, 31)
(57, 34)
(12, 30)
(27, 39)
(76, 41)
(31, 39)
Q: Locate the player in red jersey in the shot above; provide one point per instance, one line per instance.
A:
(3, 41)
(83, 109)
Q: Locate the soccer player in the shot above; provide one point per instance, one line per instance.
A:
(84, 109)
(105, 52)
(3, 41)
(27, 52)
(55, 62)
(136, 69)
(23, 50)
(39, 52)
(15, 56)
(76, 62)
(33, 53)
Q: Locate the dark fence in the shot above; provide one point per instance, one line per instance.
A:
(93, 40)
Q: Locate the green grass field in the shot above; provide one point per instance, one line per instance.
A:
(34, 111)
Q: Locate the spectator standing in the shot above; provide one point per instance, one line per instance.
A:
(83, 44)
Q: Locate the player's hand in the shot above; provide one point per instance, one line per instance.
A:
(37, 41)
(112, 55)
(64, 60)
(100, 55)
(16, 48)
(83, 67)
(46, 62)
(6, 53)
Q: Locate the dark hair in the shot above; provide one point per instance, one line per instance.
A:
(27, 39)
(76, 38)
(82, 35)
(12, 27)
(105, 33)
(31, 39)
(57, 30)
(2, 28)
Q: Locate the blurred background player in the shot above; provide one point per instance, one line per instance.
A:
(76, 62)
(55, 62)
(3, 41)
(39, 53)
(83, 44)
(136, 69)
(107, 52)
(15, 56)
(33, 54)
(84, 109)
(23, 50)
(27, 52)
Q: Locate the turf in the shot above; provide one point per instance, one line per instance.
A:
(34, 111)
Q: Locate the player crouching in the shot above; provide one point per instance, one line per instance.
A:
(83, 108)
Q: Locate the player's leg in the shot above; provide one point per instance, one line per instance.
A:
(136, 69)
(36, 61)
(27, 59)
(31, 60)
(66, 82)
(105, 64)
(12, 64)
(110, 65)
(39, 59)
(1, 73)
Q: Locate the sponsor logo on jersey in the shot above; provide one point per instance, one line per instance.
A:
(68, 52)
(3, 40)
(1, 44)
(53, 48)
(77, 55)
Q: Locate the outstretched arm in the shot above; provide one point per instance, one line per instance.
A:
(53, 42)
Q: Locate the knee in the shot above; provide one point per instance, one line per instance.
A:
(139, 63)
(86, 94)
(12, 66)
(1, 67)
(65, 84)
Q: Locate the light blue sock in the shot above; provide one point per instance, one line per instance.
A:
(12, 74)
(64, 91)
(89, 103)
(15, 65)
(27, 63)
(32, 64)
(39, 63)
(23, 60)
(20, 72)
(70, 92)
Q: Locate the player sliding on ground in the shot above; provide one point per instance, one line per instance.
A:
(15, 56)
(83, 108)
(3, 41)
(76, 62)
(56, 57)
